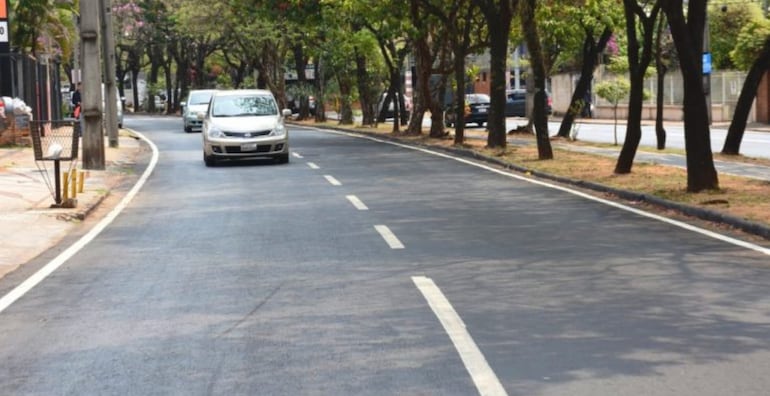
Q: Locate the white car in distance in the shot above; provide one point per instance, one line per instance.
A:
(244, 123)
(197, 101)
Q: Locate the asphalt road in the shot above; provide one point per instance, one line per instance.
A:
(364, 268)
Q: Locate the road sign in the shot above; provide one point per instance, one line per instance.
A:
(3, 31)
(707, 63)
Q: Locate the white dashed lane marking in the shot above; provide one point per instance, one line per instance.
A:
(484, 378)
(332, 180)
(356, 202)
(389, 237)
(313, 165)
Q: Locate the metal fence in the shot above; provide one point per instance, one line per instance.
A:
(55, 140)
(725, 88)
(36, 82)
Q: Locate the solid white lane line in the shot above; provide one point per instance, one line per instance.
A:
(389, 237)
(313, 165)
(484, 378)
(676, 223)
(296, 154)
(332, 180)
(54, 264)
(356, 202)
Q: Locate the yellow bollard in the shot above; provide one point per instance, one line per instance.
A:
(82, 181)
(74, 176)
(66, 186)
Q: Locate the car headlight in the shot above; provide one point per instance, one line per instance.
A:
(215, 132)
(279, 130)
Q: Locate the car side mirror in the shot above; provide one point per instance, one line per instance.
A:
(286, 112)
(182, 104)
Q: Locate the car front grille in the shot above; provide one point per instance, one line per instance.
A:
(249, 134)
(262, 148)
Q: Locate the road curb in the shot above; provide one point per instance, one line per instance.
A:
(747, 226)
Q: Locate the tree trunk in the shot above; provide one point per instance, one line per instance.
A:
(688, 39)
(615, 116)
(662, 69)
(591, 52)
(320, 84)
(540, 117)
(633, 126)
(639, 58)
(422, 71)
(499, 15)
(660, 131)
(365, 91)
(346, 112)
(737, 127)
(300, 64)
(459, 98)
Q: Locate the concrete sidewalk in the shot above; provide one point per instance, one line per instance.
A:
(29, 225)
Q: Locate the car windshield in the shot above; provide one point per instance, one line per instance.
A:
(197, 98)
(239, 106)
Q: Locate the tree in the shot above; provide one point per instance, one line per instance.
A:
(595, 22)
(428, 41)
(664, 58)
(43, 26)
(499, 14)
(688, 39)
(613, 91)
(540, 118)
(639, 58)
(128, 26)
(752, 50)
(389, 24)
(726, 21)
(464, 28)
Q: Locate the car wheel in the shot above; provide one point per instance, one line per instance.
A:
(209, 160)
(480, 124)
(282, 159)
(188, 129)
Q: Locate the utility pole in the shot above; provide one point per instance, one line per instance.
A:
(93, 138)
(108, 50)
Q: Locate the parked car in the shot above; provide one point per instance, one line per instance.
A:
(476, 110)
(197, 101)
(118, 103)
(244, 124)
(389, 112)
(294, 104)
(516, 103)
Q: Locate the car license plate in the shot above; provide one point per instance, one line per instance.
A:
(249, 147)
(482, 109)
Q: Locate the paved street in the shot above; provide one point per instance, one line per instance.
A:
(367, 268)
